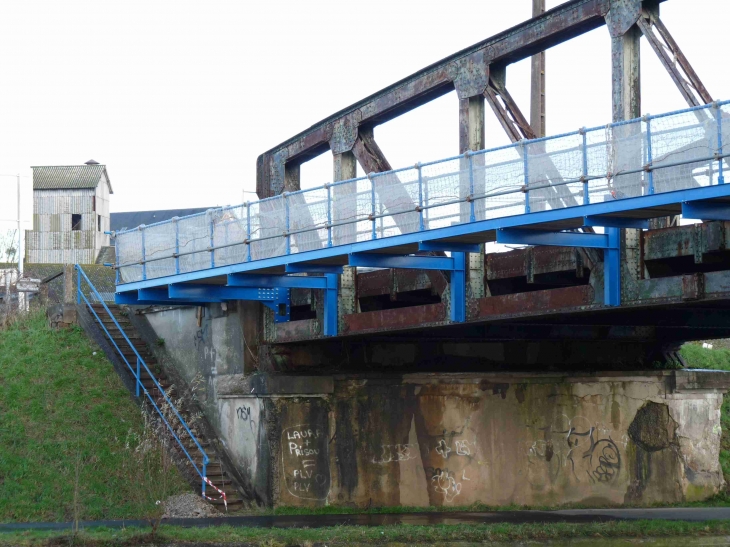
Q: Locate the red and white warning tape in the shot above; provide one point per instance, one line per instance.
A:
(221, 492)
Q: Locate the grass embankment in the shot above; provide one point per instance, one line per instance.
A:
(72, 442)
(376, 535)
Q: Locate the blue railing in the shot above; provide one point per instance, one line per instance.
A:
(646, 156)
(136, 371)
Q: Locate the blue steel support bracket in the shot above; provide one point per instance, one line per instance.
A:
(610, 242)
(706, 210)
(446, 246)
(616, 222)
(277, 299)
(328, 282)
(304, 267)
(456, 264)
(276, 281)
(517, 236)
(373, 260)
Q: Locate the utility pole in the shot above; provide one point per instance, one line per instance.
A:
(20, 235)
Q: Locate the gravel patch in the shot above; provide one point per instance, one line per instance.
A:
(189, 506)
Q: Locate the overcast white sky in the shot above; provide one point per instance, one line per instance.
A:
(179, 98)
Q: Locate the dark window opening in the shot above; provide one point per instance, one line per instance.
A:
(76, 222)
(93, 203)
(98, 223)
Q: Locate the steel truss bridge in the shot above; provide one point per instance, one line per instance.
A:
(582, 202)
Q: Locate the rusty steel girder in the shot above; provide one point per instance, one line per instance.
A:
(467, 71)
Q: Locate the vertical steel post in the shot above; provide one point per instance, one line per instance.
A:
(649, 159)
(458, 288)
(421, 225)
(286, 222)
(527, 175)
(612, 268)
(144, 255)
(372, 204)
(116, 246)
(177, 245)
(720, 174)
(212, 239)
(139, 381)
(329, 215)
(472, 216)
(586, 194)
(78, 284)
(330, 305)
(205, 464)
(248, 231)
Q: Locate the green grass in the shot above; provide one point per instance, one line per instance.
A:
(376, 535)
(65, 424)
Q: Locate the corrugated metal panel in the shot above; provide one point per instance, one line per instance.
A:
(69, 176)
(60, 240)
(66, 256)
(71, 201)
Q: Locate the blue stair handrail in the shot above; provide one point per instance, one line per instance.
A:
(140, 364)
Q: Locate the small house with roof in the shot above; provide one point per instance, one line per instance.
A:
(70, 214)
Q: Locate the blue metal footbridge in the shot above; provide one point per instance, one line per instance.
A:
(578, 189)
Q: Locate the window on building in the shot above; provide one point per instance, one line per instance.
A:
(76, 222)
(98, 223)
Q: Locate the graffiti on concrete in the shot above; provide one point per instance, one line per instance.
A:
(305, 462)
(444, 483)
(396, 453)
(244, 414)
(575, 446)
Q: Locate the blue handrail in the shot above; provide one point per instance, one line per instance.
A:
(136, 372)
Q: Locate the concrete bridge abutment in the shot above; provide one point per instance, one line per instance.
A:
(362, 439)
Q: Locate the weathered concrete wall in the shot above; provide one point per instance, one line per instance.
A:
(447, 439)
(492, 438)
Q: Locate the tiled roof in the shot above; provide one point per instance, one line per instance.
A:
(69, 176)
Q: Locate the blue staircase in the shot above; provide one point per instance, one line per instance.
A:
(152, 386)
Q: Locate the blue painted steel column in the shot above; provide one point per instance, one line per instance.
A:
(649, 159)
(527, 175)
(472, 216)
(329, 215)
(78, 284)
(372, 205)
(330, 305)
(248, 231)
(138, 379)
(720, 174)
(212, 240)
(421, 226)
(458, 288)
(612, 268)
(286, 213)
(144, 256)
(177, 246)
(584, 178)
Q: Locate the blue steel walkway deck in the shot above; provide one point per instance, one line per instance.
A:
(538, 192)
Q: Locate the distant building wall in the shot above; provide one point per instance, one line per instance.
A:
(52, 239)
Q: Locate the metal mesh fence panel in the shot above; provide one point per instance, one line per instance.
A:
(551, 163)
(268, 225)
(159, 241)
(193, 241)
(655, 154)
(229, 234)
(689, 138)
